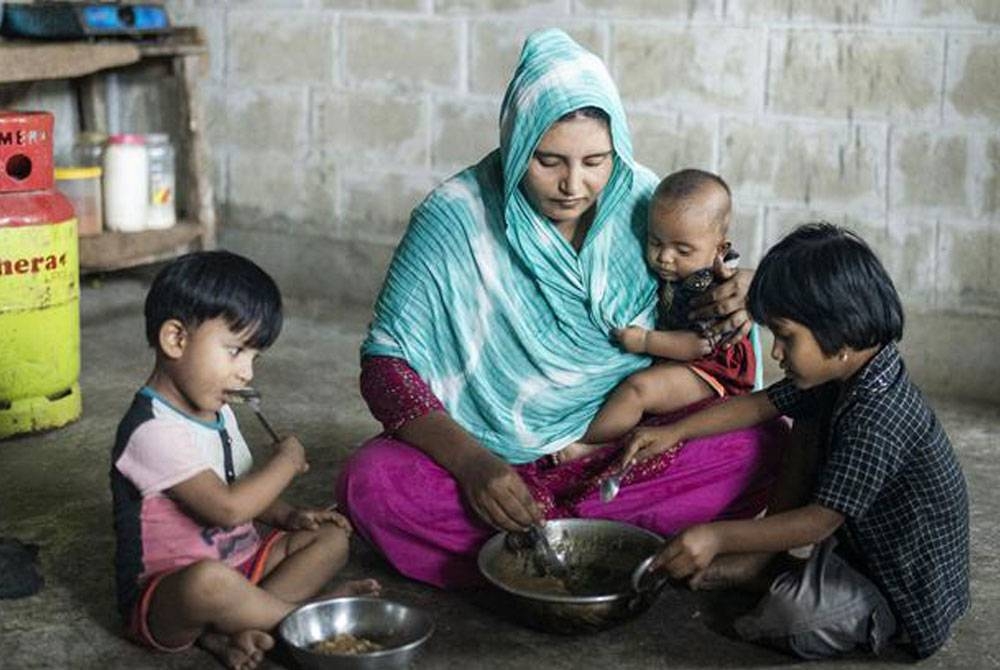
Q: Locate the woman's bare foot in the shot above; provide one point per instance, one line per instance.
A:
(750, 571)
(574, 451)
(239, 651)
(358, 587)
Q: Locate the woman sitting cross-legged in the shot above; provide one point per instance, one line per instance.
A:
(491, 348)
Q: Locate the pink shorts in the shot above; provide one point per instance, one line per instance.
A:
(137, 628)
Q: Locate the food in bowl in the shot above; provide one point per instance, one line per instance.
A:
(400, 630)
(604, 585)
(345, 643)
(596, 565)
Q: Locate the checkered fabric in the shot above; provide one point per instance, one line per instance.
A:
(890, 470)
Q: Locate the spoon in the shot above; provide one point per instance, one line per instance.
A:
(251, 396)
(552, 563)
(612, 484)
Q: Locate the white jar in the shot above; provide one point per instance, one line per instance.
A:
(126, 184)
(162, 209)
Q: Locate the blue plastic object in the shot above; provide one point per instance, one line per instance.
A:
(70, 20)
(137, 17)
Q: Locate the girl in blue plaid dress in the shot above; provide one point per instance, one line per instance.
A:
(888, 509)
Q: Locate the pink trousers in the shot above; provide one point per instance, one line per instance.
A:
(412, 510)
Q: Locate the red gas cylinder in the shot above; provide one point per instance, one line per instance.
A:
(39, 283)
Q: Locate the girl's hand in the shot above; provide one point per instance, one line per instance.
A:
(311, 519)
(689, 553)
(648, 442)
(631, 338)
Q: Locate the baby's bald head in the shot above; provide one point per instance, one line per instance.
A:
(696, 189)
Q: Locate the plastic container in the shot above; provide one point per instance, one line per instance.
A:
(162, 209)
(88, 150)
(82, 186)
(126, 184)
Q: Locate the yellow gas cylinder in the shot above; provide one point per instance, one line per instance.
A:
(39, 283)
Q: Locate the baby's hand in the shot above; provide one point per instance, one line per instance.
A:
(648, 442)
(691, 345)
(312, 518)
(292, 449)
(631, 338)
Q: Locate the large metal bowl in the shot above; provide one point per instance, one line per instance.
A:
(608, 580)
(398, 628)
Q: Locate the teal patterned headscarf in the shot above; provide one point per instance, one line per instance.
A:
(489, 304)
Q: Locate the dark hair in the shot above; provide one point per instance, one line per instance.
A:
(829, 280)
(208, 284)
(586, 113)
(685, 183)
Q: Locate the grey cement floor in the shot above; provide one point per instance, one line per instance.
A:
(54, 492)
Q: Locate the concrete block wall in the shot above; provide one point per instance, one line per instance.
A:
(330, 120)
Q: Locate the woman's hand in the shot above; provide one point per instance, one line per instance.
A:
(497, 493)
(728, 299)
(648, 442)
(690, 552)
(493, 489)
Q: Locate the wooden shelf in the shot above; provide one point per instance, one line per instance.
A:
(182, 41)
(86, 62)
(25, 60)
(115, 251)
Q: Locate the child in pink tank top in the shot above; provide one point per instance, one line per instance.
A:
(190, 564)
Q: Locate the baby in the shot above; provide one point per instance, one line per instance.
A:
(190, 564)
(688, 222)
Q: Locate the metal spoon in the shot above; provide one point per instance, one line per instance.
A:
(612, 484)
(251, 396)
(552, 562)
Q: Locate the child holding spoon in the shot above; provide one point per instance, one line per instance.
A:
(888, 509)
(190, 564)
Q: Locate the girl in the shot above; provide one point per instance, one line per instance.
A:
(888, 485)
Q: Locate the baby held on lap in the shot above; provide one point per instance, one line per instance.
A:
(686, 246)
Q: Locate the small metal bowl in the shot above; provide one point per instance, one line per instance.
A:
(400, 629)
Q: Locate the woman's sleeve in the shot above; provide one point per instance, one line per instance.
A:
(395, 393)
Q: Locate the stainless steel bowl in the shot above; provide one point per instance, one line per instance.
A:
(400, 630)
(608, 582)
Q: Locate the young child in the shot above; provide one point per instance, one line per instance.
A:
(688, 222)
(888, 482)
(190, 564)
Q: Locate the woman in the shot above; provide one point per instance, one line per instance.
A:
(490, 348)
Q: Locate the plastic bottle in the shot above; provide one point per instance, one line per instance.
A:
(126, 184)
(162, 210)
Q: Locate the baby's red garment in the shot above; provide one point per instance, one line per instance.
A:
(733, 370)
